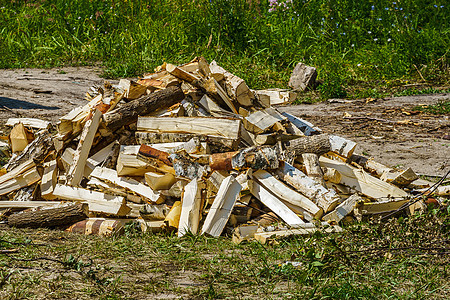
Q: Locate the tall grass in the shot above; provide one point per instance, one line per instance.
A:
(348, 41)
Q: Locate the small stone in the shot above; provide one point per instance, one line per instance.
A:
(303, 77)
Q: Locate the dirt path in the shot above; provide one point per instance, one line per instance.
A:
(386, 129)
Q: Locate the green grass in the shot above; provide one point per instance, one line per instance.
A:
(441, 108)
(401, 259)
(351, 43)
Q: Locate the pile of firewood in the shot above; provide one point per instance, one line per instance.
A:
(191, 148)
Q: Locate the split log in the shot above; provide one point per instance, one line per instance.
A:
(129, 112)
(24, 179)
(274, 204)
(244, 233)
(280, 190)
(263, 237)
(48, 181)
(236, 87)
(262, 120)
(343, 209)
(216, 143)
(318, 144)
(306, 127)
(369, 165)
(274, 97)
(190, 209)
(313, 169)
(213, 88)
(156, 158)
(215, 110)
(29, 204)
(332, 175)
(98, 202)
(255, 158)
(129, 165)
(16, 171)
(100, 226)
(172, 219)
(29, 122)
(186, 167)
(37, 150)
(76, 171)
(375, 208)
(362, 181)
(159, 181)
(223, 127)
(19, 138)
(324, 198)
(184, 74)
(49, 217)
(342, 146)
(222, 206)
(128, 184)
(154, 212)
(132, 90)
(150, 226)
(399, 178)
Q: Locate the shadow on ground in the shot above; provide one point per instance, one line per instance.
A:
(11, 103)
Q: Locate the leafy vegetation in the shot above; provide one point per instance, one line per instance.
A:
(351, 43)
(440, 108)
(401, 258)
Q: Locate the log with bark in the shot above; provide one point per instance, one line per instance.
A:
(50, 217)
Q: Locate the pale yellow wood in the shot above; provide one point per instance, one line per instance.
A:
(172, 219)
(159, 181)
(48, 181)
(17, 171)
(342, 146)
(24, 179)
(362, 181)
(29, 122)
(343, 209)
(190, 209)
(18, 138)
(262, 120)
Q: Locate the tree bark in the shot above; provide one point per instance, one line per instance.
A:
(129, 112)
(52, 217)
(318, 144)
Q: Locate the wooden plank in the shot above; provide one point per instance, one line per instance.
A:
(98, 202)
(24, 179)
(283, 192)
(48, 181)
(362, 181)
(127, 183)
(228, 128)
(274, 204)
(374, 208)
(29, 122)
(324, 198)
(190, 209)
(343, 209)
(29, 204)
(222, 206)
(76, 171)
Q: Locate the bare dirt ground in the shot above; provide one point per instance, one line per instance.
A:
(386, 129)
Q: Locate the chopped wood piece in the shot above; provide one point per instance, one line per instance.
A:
(98, 202)
(362, 181)
(332, 175)
(186, 167)
(215, 90)
(154, 212)
(157, 158)
(49, 179)
(342, 146)
(262, 120)
(49, 217)
(183, 74)
(324, 198)
(306, 127)
(223, 127)
(443, 190)
(369, 165)
(215, 110)
(263, 237)
(190, 209)
(159, 181)
(127, 183)
(236, 87)
(26, 165)
(244, 233)
(29, 204)
(100, 226)
(76, 171)
(255, 158)
(24, 179)
(37, 150)
(222, 206)
(29, 122)
(318, 144)
(343, 209)
(100, 156)
(272, 202)
(266, 219)
(150, 226)
(172, 219)
(216, 143)
(374, 208)
(280, 190)
(274, 97)
(399, 178)
(129, 112)
(133, 90)
(313, 169)
(129, 165)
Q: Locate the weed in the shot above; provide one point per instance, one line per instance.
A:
(440, 108)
